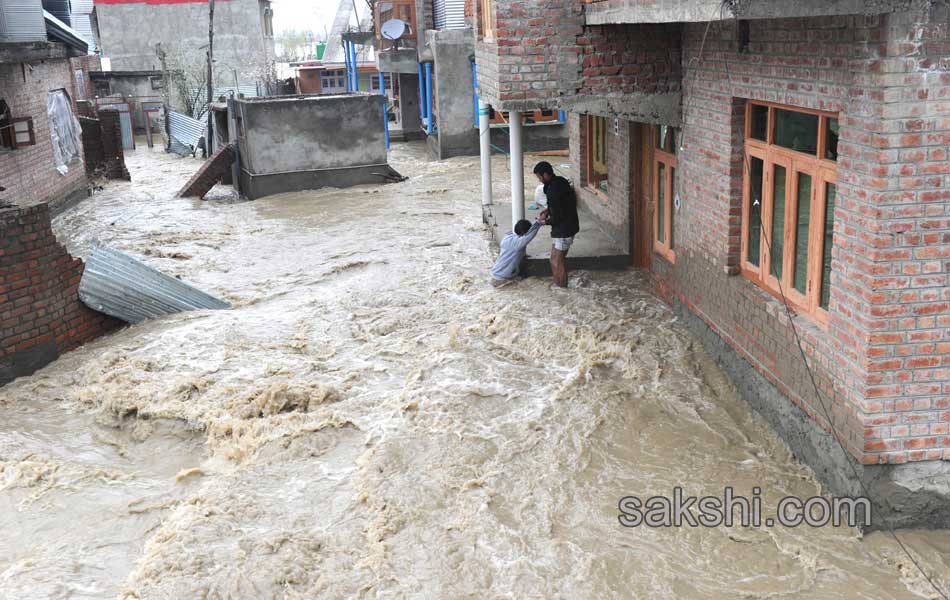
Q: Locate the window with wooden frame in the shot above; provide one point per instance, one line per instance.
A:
(15, 132)
(596, 170)
(486, 15)
(790, 188)
(665, 164)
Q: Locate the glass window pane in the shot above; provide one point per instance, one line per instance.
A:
(661, 202)
(755, 211)
(796, 131)
(672, 134)
(672, 202)
(830, 192)
(777, 237)
(760, 122)
(661, 137)
(831, 139)
(801, 233)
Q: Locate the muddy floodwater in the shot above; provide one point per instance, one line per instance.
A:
(373, 420)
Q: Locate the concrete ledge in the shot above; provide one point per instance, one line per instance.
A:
(258, 186)
(69, 200)
(908, 495)
(700, 11)
(403, 60)
(30, 52)
(27, 361)
(541, 267)
(658, 109)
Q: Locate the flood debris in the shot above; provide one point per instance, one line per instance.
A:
(120, 286)
(211, 172)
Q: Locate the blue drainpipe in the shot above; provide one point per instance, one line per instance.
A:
(382, 88)
(429, 97)
(422, 94)
(356, 71)
(346, 61)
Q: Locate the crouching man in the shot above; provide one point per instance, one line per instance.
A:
(561, 215)
(513, 248)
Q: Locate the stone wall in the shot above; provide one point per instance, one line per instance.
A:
(40, 313)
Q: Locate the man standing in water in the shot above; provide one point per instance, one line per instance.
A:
(513, 248)
(561, 215)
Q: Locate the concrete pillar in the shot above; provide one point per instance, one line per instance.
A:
(517, 167)
(484, 148)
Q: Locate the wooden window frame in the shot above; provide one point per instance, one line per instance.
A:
(822, 171)
(667, 157)
(592, 179)
(486, 17)
(8, 137)
(500, 117)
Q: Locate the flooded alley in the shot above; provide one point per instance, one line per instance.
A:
(371, 419)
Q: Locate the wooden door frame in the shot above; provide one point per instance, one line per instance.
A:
(641, 196)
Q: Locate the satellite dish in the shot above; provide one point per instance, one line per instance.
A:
(393, 29)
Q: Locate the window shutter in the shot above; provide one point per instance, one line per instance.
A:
(23, 134)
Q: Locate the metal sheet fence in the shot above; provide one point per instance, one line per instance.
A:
(185, 129)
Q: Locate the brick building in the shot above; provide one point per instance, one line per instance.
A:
(39, 58)
(748, 154)
(432, 66)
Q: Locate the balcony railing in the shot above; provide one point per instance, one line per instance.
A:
(405, 11)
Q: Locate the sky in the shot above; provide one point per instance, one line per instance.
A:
(306, 14)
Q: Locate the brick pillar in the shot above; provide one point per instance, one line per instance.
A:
(41, 315)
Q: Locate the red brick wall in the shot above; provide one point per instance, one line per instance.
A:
(630, 59)
(28, 174)
(611, 211)
(534, 54)
(40, 312)
(883, 363)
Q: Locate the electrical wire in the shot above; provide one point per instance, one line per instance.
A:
(757, 197)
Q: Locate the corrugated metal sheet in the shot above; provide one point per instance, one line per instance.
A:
(59, 9)
(185, 129)
(22, 21)
(82, 23)
(118, 285)
(449, 14)
(81, 7)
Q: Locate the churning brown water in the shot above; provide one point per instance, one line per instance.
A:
(372, 420)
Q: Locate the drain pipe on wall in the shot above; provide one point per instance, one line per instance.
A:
(517, 167)
(422, 95)
(484, 150)
(382, 89)
(428, 67)
(346, 60)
